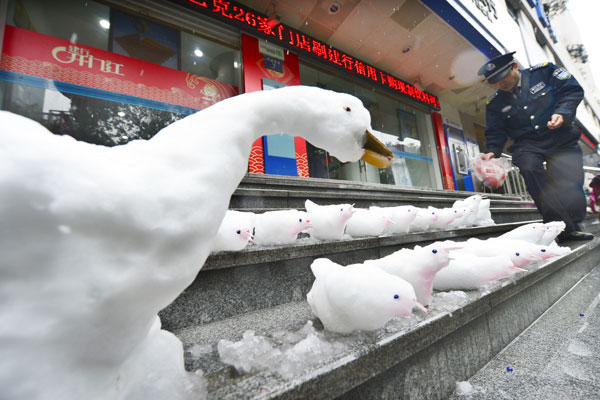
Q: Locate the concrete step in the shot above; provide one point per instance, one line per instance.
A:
(500, 215)
(556, 357)
(419, 361)
(319, 185)
(274, 192)
(233, 283)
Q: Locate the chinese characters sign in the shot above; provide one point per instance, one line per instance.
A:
(36, 54)
(249, 21)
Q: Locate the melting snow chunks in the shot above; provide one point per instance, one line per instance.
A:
(287, 353)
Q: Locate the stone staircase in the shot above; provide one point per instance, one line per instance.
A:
(556, 357)
(264, 289)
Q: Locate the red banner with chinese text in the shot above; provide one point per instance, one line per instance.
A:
(36, 54)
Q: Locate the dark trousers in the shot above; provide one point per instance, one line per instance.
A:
(557, 189)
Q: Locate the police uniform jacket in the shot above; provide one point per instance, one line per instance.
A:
(546, 89)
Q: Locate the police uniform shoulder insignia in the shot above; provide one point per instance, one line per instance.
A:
(561, 73)
(492, 97)
(538, 66)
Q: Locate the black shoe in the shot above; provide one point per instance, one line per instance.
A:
(574, 235)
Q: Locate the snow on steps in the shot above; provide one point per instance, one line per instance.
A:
(422, 361)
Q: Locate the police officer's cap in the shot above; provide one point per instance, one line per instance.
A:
(497, 68)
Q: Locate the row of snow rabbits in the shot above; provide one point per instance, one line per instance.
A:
(332, 222)
(391, 286)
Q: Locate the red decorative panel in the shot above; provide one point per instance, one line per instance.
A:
(443, 152)
(33, 53)
(254, 72)
(256, 163)
(301, 157)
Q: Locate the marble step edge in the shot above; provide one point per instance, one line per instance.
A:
(399, 196)
(492, 314)
(493, 210)
(260, 180)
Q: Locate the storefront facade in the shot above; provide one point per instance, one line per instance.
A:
(496, 27)
(110, 72)
(107, 74)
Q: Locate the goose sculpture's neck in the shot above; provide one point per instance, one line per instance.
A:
(222, 135)
(239, 121)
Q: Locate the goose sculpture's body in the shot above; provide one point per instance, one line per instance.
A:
(95, 241)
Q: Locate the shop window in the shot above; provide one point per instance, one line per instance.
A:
(143, 39)
(86, 93)
(405, 130)
(88, 119)
(209, 59)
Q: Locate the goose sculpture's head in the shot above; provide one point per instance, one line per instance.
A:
(337, 122)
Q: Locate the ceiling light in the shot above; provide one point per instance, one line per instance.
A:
(198, 53)
(236, 64)
(104, 23)
(334, 7)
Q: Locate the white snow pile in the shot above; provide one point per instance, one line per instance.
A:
(464, 388)
(448, 301)
(287, 354)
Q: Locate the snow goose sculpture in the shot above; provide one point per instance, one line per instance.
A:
(95, 240)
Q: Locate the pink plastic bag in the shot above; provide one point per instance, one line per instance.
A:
(492, 173)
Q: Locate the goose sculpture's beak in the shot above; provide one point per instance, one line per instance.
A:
(376, 153)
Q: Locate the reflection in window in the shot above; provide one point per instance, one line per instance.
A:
(108, 119)
(88, 119)
(405, 130)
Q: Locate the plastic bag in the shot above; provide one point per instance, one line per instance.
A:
(492, 173)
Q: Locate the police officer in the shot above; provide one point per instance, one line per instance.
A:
(535, 107)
